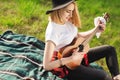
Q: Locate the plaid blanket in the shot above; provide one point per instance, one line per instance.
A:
(21, 58)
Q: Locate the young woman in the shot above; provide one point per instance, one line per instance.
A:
(61, 31)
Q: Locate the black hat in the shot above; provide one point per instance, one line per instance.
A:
(58, 4)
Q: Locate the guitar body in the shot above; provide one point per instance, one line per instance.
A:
(68, 51)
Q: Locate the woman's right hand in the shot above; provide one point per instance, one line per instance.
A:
(77, 57)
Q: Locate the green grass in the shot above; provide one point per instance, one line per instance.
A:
(24, 17)
(28, 17)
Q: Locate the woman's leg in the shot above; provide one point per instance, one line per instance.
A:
(107, 52)
(87, 73)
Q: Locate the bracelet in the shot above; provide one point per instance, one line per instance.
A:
(60, 62)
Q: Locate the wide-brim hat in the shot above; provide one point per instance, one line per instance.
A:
(58, 4)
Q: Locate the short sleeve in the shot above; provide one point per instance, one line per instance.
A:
(51, 33)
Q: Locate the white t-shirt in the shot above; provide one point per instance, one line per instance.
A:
(61, 35)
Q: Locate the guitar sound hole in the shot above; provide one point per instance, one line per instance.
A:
(81, 47)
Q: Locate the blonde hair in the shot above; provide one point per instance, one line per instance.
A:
(55, 16)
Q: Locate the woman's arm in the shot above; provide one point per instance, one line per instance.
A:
(87, 33)
(48, 53)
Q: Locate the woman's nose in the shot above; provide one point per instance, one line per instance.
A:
(71, 14)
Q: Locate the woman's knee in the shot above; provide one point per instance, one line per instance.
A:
(110, 48)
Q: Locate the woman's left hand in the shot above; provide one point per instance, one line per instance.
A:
(102, 27)
(100, 21)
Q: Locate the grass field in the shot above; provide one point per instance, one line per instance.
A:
(28, 17)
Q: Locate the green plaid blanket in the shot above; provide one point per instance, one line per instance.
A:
(21, 58)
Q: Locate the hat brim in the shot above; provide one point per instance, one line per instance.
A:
(59, 7)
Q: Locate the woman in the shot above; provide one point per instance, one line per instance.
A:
(61, 31)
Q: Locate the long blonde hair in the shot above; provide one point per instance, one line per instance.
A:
(54, 16)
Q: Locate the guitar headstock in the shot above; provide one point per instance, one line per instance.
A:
(106, 16)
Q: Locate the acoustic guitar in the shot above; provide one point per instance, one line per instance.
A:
(80, 42)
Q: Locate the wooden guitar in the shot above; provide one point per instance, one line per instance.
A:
(80, 42)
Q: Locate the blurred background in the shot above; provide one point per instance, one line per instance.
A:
(28, 17)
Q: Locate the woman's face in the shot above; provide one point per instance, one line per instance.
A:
(67, 12)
